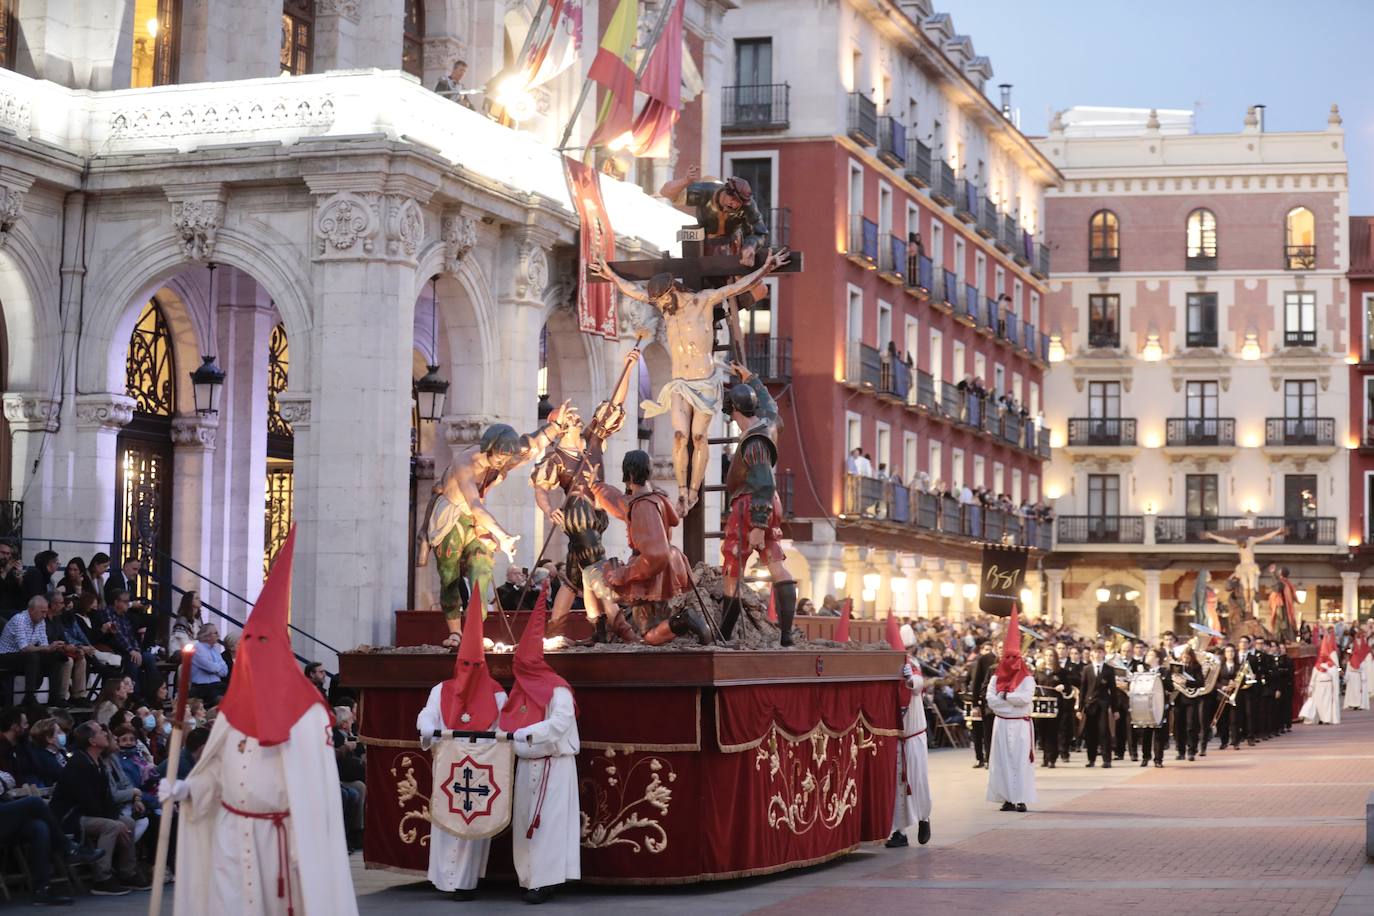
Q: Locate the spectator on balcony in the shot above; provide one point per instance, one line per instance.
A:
(966, 495)
(851, 462)
(806, 608)
(99, 571)
(865, 465)
(451, 86)
(915, 250)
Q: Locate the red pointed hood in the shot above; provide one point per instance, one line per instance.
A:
(535, 681)
(1359, 650)
(1326, 654)
(1012, 669)
(842, 628)
(468, 699)
(268, 690)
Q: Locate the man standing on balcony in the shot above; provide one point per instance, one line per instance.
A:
(726, 210)
(693, 394)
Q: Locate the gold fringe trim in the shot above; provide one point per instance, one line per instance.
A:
(820, 728)
(619, 747)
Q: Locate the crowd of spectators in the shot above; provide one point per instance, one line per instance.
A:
(84, 743)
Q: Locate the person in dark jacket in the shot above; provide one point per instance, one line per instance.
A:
(83, 799)
(38, 578)
(983, 670)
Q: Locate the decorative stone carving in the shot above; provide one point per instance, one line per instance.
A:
(348, 9)
(465, 429)
(424, 467)
(32, 412)
(197, 222)
(104, 411)
(186, 120)
(295, 410)
(14, 113)
(460, 237)
(532, 274)
(11, 211)
(405, 226)
(346, 225)
(195, 431)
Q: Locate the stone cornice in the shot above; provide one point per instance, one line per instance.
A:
(195, 431)
(30, 412)
(104, 411)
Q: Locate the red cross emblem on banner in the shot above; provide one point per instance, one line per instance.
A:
(471, 788)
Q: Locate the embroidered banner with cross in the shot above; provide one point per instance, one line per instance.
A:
(473, 787)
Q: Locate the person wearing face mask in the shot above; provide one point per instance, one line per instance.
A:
(46, 751)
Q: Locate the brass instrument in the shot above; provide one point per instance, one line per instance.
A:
(1211, 667)
(1231, 691)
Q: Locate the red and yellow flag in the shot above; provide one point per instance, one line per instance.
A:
(662, 82)
(613, 70)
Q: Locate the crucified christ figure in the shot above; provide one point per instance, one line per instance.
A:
(1247, 570)
(693, 394)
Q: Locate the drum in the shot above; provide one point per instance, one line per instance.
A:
(1147, 699)
(1046, 707)
(973, 712)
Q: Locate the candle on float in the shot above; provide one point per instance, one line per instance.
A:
(183, 684)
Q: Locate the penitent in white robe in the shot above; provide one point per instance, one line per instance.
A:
(454, 863)
(913, 802)
(554, 853)
(228, 865)
(1323, 705)
(1367, 669)
(1011, 767)
(1356, 692)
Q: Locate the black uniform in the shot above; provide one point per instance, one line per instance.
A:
(1133, 665)
(1047, 729)
(1188, 712)
(1283, 719)
(1154, 740)
(1071, 735)
(1099, 702)
(983, 670)
(1247, 702)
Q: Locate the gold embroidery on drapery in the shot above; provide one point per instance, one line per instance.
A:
(820, 790)
(621, 813)
(407, 790)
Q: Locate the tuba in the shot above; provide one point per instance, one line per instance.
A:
(1211, 666)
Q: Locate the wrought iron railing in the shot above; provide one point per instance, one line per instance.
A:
(779, 226)
(891, 141)
(863, 366)
(1185, 431)
(770, 358)
(1101, 529)
(918, 162)
(1303, 529)
(1102, 431)
(759, 107)
(1300, 431)
(863, 119)
(942, 189)
(1300, 257)
(863, 238)
(920, 273)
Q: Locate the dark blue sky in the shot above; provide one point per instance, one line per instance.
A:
(1218, 55)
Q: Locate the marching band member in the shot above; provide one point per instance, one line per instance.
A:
(1323, 706)
(1228, 684)
(542, 719)
(1251, 686)
(1011, 765)
(981, 731)
(1051, 678)
(1153, 739)
(1135, 664)
(1188, 708)
(1098, 696)
(913, 802)
(468, 701)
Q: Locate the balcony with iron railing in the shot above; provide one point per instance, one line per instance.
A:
(1103, 335)
(1102, 431)
(1007, 238)
(1193, 529)
(925, 390)
(966, 203)
(863, 119)
(942, 188)
(1300, 432)
(899, 508)
(1101, 529)
(770, 358)
(1300, 257)
(1040, 267)
(863, 366)
(949, 293)
(1029, 338)
(893, 259)
(1107, 261)
(918, 163)
(988, 317)
(758, 107)
(1011, 327)
(987, 218)
(1044, 347)
(863, 240)
(1025, 253)
(892, 141)
(895, 381)
(1310, 530)
(1200, 432)
(970, 305)
(920, 275)
(1299, 338)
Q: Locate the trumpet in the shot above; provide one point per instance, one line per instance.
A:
(1231, 691)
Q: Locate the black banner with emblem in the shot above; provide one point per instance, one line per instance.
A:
(1003, 577)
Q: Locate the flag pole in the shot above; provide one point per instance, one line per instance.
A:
(648, 49)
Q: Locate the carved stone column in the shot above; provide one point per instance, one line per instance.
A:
(337, 30)
(193, 444)
(95, 462)
(31, 417)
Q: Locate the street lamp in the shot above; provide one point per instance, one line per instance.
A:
(432, 388)
(946, 589)
(1104, 595)
(872, 580)
(839, 578)
(1301, 595)
(970, 591)
(206, 382)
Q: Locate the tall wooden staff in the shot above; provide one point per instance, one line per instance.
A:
(164, 834)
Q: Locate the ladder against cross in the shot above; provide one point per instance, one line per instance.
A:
(468, 790)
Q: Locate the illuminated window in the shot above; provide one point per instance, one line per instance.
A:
(297, 36)
(280, 490)
(1104, 240)
(149, 369)
(278, 362)
(157, 25)
(1300, 240)
(1202, 240)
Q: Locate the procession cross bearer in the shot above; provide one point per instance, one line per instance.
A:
(468, 701)
(1011, 765)
(692, 396)
(261, 827)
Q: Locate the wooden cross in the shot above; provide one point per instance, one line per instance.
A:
(696, 270)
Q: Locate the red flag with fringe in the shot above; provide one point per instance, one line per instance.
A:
(595, 305)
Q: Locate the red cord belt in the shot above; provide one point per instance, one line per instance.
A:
(1028, 721)
(901, 755)
(278, 819)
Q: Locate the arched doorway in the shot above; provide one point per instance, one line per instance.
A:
(1116, 608)
(143, 488)
(280, 490)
